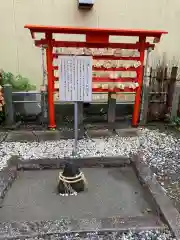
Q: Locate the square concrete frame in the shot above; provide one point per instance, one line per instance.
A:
(163, 205)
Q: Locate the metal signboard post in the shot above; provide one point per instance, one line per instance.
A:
(75, 84)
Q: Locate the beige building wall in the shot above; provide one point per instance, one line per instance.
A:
(18, 54)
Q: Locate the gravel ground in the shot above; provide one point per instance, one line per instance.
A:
(144, 235)
(160, 151)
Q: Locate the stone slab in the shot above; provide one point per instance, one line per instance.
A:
(3, 136)
(128, 132)
(80, 228)
(29, 136)
(21, 136)
(164, 206)
(111, 192)
(86, 162)
(99, 133)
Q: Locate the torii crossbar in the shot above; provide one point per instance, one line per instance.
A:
(96, 38)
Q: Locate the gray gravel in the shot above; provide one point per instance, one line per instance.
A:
(160, 150)
(144, 235)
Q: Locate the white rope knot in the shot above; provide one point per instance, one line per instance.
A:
(67, 181)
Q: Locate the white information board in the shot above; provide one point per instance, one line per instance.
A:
(75, 78)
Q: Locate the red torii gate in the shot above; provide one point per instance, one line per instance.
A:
(96, 38)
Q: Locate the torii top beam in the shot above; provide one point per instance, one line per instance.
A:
(106, 31)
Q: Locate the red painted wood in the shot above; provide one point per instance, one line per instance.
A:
(126, 89)
(50, 77)
(93, 38)
(131, 69)
(106, 79)
(82, 30)
(102, 57)
(132, 46)
(137, 104)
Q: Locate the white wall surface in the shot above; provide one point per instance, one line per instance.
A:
(18, 54)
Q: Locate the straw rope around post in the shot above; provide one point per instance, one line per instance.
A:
(67, 181)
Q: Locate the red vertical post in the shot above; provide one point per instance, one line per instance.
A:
(50, 77)
(137, 103)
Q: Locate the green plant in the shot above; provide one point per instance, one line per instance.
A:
(176, 122)
(19, 83)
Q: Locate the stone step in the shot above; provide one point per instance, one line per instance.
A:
(64, 226)
(139, 223)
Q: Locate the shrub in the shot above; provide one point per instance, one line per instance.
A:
(19, 83)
